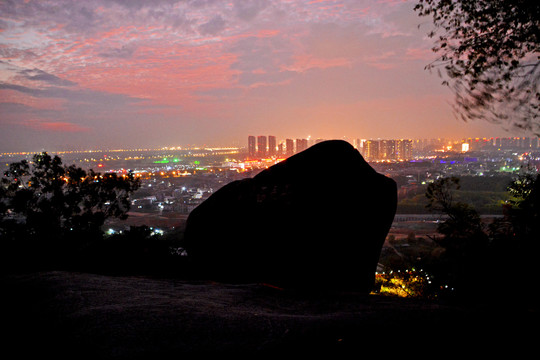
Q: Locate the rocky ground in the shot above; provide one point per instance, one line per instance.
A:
(82, 315)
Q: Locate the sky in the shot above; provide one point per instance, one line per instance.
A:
(128, 74)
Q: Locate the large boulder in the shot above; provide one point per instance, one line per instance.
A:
(316, 220)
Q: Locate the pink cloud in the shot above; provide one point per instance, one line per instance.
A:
(55, 126)
(127, 63)
(392, 2)
(419, 54)
(305, 62)
(384, 61)
(160, 71)
(12, 96)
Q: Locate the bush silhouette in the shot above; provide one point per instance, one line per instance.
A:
(50, 211)
(486, 261)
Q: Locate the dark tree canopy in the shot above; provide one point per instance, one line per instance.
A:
(46, 201)
(463, 222)
(525, 211)
(489, 52)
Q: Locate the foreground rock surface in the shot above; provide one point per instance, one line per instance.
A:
(316, 220)
(89, 316)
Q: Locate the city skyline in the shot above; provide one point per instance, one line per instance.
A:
(267, 146)
(116, 74)
(290, 143)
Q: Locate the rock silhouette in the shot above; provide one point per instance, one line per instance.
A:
(316, 220)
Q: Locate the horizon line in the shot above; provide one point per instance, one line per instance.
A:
(211, 148)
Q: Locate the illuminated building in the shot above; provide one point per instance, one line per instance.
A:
(479, 143)
(387, 149)
(400, 149)
(404, 149)
(301, 145)
(505, 143)
(280, 149)
(271, 145)
(289, 147)
(371, 150)
(261, 146)
(252, 147)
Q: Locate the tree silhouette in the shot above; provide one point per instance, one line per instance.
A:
(52, 206)
(524, 211)
(497, 261)
(489, 51)
(464, 240)
(440, 194)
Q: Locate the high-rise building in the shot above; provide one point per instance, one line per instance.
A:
(252, 146)
(301, 145)
(387, 149)
(289, 147)
(404, 149)
(516, 143)
(371, 150)
(261, 146)
(272, 146)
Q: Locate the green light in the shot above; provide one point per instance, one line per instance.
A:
(196, 162)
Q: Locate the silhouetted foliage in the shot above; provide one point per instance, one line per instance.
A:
(525, 211)
(521, 225)
(137, 250)
(489, 51)
(464, 243)
(53, 209)
(519, 229)
(440, 194)
(495, 262)
(463, 222)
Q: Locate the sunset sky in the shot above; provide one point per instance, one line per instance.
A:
(137, 74)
